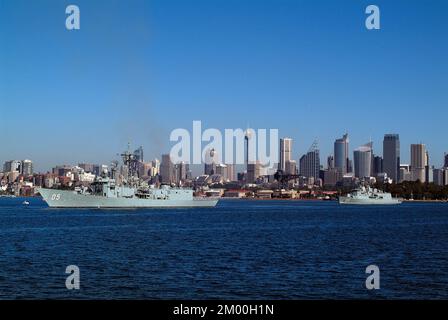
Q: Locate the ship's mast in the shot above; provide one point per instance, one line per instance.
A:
(130, 161)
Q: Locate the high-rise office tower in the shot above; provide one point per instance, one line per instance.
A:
(12, 166)
(167, 170)
(428, 169)
(377, 165)
(27, 167)
(253, 171)
(391, 156)
(310, 163)
(138, 154)
(341, 161)
(363, 161)
(210, 162)
(418, 162)
(291, 167)
(181, 169)
(438, 177)
(445, 162)
(230, 175)
(155, 167)
(285, 153)
(330, 162)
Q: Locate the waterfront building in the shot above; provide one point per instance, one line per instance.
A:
(210, 162)
(98, 169)
(227, 171)
(439, 177)
(253, 172)
(378, 166)
(27, 168)
(391, 156)
(349, 166)
(144, 169)
(167, 170)
(138, 154)
(404, 173)
(62, 170)
(291, 167)
(12, 166)
(332, 177)
(181, 172)
(155, 170)
(428, 169)
(12, 176)
(363, 161)
(285, 153)
(87, 167)
(230, 175)
(330, 162)
(341, 160)
(418, 162)
(309, 164)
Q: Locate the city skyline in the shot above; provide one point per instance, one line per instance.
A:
(81, 96)
(419, 157)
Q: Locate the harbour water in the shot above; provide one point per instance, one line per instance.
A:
(241, 249)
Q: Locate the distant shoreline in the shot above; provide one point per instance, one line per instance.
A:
(265, 199)
(332, 200)
(442, 201)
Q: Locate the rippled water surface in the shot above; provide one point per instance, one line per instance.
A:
(238, 250)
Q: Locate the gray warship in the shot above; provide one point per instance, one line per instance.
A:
(105, 192)
(369, 196)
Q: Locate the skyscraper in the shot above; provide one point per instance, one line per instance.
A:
(138, 154)
(330, 162)
(230, 175)
(377, 165)
(291, 167)
(391, 156)
(210, 162)
(180, 171)
(439, 177)
(310, 163)
(418, 162)
(285, 153)
(341, 161)
(27, 167)
(445, 162)
(428, 169)
(363, 161)
(12, 165)
(167, 170)
(253, 171)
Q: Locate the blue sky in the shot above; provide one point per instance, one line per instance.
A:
(138, 69)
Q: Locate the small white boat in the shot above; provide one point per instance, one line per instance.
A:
(25, 203)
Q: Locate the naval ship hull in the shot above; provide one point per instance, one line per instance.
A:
(349, 200)
(71, 199)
